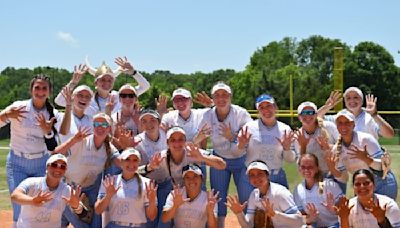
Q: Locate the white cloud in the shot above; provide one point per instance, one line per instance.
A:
(67, 38)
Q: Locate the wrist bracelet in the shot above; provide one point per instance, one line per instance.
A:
(134, 72)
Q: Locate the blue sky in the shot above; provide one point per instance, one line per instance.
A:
(183, 36)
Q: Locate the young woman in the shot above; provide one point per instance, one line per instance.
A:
(356, 150)
(88, 156)
(225, 121)
(44, 199)
(271, 140)
(28, 152)
(315, 136)
(104, 82)
(190, 206)
(316, 196)
(269, 205)
(129, 197)
(367, 209)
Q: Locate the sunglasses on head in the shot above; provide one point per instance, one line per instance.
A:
(100, 124)
(58, 165)
(125, 95)
(307, 113)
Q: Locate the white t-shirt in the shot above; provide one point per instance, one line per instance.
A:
(26, 135)
(302, 196)
(85, 162)
(148, 147)
(126, 205)
(192, 214)
(313, 146)
(279, 196)
(360, 218)
(191, 125)
(86, 122)
(47, 215)
(237, 117)
(264, 144)
(129, 124)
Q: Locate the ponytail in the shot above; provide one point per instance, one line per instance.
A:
(140, 183)
(107, 146)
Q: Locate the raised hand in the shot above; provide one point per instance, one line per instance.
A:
(110, 104)
(75, 197)
(323, 143)
(269, 207)
(312, 213)
(370, 104)
(203, 99)
(286, 140)
(331, 160)
(125, 65)
(343, 209)
(301, 138)
(212, 200)
(375, 209)
(66, 92)
(226, 132)
(194, 152)
(82, 133)
(151, 191)
(356, 152)
(329, 202)
(44, 124)
(79, 71)
(234, 204)
(204, 133)
(333, 99)
(243, 137)
(109, 185)
(42, 198)
(177, 195)
(15, 113)
(156, 160)
(161, 104)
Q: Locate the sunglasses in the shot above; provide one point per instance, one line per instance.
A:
(359, 184)
(307, 113)
(58, 165)
(125, 95)
(100, 124)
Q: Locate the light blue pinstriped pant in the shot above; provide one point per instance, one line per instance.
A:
(388, 186)
(279, 176)
(18, 169)
(220, 181)
(163, 189)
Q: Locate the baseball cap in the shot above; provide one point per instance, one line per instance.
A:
(181, 92)
(257, 165)
(104, 116)
(128, 152)
(346, 114)
(306, 104)
(82, 88)
(221, 85)
(127, 87)
(173, 130)
(264, 98)
(150, 112)
(354, 89)
(56, 157)
(191, 168)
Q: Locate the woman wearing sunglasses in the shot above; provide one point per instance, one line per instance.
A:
(190, 206)
(367, 209)
(43, 199)
(88, 156)
(315, 135)
(316, 196)
(356, 150)
(28, 150)
(269, 204)
(128, 197)
(104, 82)
(270, 140)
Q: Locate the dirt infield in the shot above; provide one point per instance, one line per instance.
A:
(6, 220)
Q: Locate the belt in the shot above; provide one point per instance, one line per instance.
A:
(127, 224)
(30, 155)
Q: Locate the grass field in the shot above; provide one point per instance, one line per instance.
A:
(291, 171)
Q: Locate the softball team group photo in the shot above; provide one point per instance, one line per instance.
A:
(103, 160)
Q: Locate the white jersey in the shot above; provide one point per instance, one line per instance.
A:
(237, 117)
(192, 214)
(129, 124)
(171, 170)
(47, 215)
(361, 218)
(364, 122)
(126, 205)
(313, 146)
(94, 108)
(86, 162)
(76, 123)
(302, 196)
(360, 140)
(26, 135)
(148, 147)
(191, 125)
(279, 196)
(264, 144)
